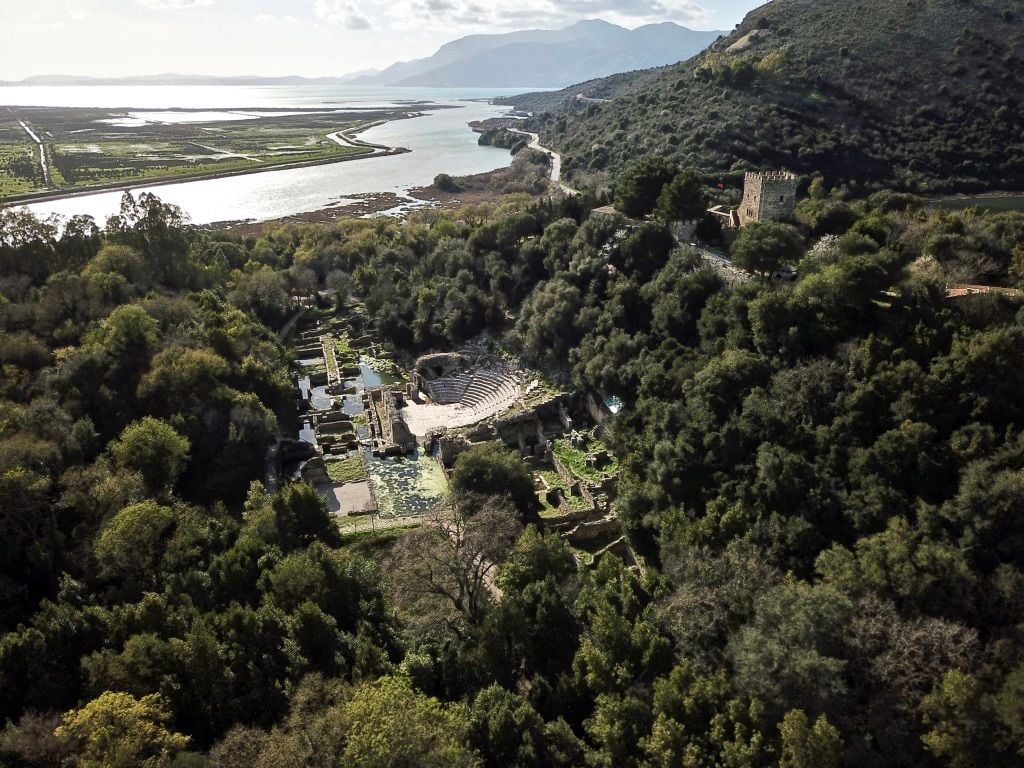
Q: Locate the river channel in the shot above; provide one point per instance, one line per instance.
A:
(440, 140)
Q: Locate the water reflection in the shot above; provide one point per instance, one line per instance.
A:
(441, 142)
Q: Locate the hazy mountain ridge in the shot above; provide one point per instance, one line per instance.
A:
(923, 96)
(547, 58)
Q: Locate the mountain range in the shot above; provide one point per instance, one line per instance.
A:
(547, 58)
(924, 96)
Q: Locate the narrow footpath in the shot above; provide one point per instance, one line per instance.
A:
(42, 152)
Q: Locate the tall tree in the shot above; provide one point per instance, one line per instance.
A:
(641, 184)
(764, 246)
(118, 730)
(683, 198)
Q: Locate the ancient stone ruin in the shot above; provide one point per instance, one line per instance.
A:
(448, 392)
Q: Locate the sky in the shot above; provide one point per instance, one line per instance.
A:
(108, 38)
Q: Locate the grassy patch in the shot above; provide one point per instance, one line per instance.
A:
(19, 169)
(575, 460)
(330, 359)
(348, 470)
(343, 351)
(554, 480)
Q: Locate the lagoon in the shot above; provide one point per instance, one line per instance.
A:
(440, 142)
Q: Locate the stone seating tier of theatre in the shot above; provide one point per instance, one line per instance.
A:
(461, 399)
(479, 391)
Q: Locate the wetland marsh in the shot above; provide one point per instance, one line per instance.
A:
(98, 148)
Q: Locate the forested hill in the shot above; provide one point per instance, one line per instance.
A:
(825, 478)
(923, 95)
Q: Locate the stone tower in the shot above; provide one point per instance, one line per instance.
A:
(769, 196)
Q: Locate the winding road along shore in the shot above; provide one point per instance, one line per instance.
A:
(556, 161)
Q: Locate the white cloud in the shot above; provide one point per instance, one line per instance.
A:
(481, 15)
(173, 5)
(341, 13)
(269, 18)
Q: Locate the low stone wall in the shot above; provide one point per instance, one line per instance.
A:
(569, 520)
(589, 531)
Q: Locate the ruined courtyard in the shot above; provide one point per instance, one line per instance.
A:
(378, 440)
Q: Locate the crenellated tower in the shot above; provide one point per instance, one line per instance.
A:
(768, 196)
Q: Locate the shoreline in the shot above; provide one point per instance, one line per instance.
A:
(369, 204)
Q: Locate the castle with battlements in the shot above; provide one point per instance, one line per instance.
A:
(768, 196)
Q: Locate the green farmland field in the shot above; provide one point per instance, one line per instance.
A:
(98, 148)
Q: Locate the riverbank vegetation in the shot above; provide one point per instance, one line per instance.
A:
(822, 479)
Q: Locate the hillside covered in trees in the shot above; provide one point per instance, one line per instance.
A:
(923, 96)
(823, 480)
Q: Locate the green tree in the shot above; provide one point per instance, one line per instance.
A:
(506, 730)
(640, 186)
(179, 375)
(621, 646)
(548, 321)
(293, 518)
(683, 198)
(697, 723)
(128, 333)
(959, 722)
(533, 629)
(492, 470)
(445, 183)
(153, 448)
(390, 725)
(119, 259)
(118, 730)
(617, 728)
(535, 557)
(263, 292)
(789, 654)
(807, 746)
(131, 545)
(764, 246)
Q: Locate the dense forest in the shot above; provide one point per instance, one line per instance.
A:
(823, 481)
(922, 96)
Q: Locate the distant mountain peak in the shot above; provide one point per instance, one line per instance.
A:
(594, 23)
(547, 58)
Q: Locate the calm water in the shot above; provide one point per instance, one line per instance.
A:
(440, 142)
